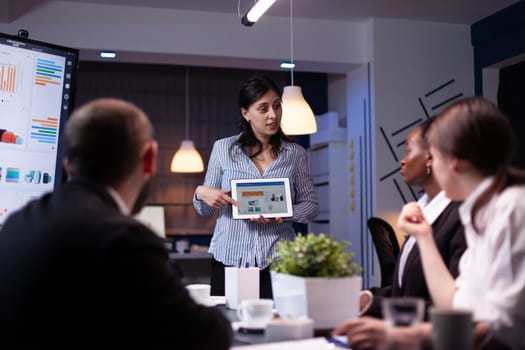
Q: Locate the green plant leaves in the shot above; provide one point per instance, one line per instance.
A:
(315, 256)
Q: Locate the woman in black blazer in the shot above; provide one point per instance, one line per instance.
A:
(409, 281)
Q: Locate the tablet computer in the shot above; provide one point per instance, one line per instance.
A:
(267, 197)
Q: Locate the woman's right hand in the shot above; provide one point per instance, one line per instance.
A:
(412, 221)
(214, 197)
(364, 333)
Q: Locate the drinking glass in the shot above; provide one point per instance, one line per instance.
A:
(404, 312)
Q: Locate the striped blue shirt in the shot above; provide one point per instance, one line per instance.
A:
(251, 242)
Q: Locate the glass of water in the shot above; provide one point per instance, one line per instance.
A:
(404, 312)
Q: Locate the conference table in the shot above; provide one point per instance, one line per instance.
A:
(253, 338)
(241, 337)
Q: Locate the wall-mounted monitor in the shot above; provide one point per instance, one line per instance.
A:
(37, 81)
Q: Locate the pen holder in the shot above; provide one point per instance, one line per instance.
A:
(240, 283)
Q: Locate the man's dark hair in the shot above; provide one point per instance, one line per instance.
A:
(104, 139)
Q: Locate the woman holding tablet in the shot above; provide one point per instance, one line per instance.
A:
(260, 151)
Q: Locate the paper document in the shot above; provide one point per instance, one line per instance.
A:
(305, 344)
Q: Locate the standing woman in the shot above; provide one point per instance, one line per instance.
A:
(261, 150)
(472, 144)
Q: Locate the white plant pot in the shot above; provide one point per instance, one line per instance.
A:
(328, 301)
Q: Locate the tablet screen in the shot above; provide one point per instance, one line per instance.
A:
(267, 197)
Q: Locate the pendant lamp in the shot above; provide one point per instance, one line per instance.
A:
(297, 118)
(187, 159)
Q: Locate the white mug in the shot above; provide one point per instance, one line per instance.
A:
(255, 313)
(182, 245)
(200, 293)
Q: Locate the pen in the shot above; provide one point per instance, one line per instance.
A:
(240, 261)
(339, 341)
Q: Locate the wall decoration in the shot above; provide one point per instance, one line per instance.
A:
(431, 102)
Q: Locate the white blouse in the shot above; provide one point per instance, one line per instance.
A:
(431, 211)
(492, 269)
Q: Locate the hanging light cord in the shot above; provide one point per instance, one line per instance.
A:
(291, 39)
(187, 103)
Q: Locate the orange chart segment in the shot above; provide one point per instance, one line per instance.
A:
(7, 77)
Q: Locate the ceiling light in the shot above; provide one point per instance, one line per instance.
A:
(297, 118)
(187, 159)
(287, 65)
(255, 12)
(108, 54)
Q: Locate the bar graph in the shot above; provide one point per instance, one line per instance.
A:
(44, 130)
(7, 77)
(47, 72)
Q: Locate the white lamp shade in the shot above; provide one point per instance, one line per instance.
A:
(297, 118)
(187, 159)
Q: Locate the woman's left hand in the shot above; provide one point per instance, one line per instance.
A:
(262, 220)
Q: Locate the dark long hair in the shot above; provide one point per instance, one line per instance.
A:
(474, 129)
(251, 91)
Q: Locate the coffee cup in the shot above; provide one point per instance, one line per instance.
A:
(451, 329)
(182, 245)
(255, 313)
(200, 293)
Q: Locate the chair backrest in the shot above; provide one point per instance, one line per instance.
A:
(387, 247)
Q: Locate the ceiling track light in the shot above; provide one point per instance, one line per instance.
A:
(256, 11)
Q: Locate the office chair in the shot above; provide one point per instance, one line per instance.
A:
(387, 247)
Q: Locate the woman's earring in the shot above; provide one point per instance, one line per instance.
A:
(429, 169)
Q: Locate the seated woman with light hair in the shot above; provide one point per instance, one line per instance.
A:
(472, 144)
(439, 211)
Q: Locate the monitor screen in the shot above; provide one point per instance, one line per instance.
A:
(36, 96)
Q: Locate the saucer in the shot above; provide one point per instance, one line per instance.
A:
(217, 300)
(243, 327)
(214, 301)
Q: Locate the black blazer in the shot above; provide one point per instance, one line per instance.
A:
(75, 271)
(450, 241)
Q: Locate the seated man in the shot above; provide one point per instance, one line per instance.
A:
(76, 268)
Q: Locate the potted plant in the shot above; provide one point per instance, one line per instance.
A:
(314, 276)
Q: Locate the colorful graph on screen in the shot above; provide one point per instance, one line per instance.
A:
(10, 137)
(12, 175)
(7, 77)
(44, 130)
(48, 72)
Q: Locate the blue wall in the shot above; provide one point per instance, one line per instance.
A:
(496, 38)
